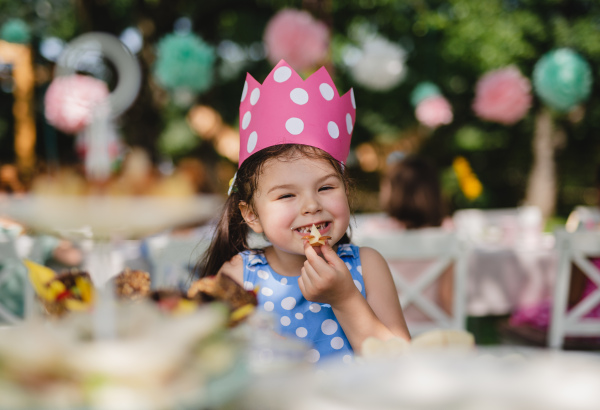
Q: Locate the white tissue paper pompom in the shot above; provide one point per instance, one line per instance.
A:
(381, 65)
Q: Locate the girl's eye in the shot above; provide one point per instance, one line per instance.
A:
(326, 187)
(285, 196)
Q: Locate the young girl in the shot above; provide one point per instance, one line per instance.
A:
(294, 137)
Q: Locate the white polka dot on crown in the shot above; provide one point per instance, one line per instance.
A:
(313, 356)
(315, 307)
(337, 343)
(246, 120)
(359, 269)
(299, 316)
(285, 320)
(301, 332)
(333, 130)
(288, 303)
(244, 91)
(347, 359)
(284, 281)
(252, 140)
(282, 74)
(248, 285)
(349, 123)
(348, 265)
(263, 274)
(329, 326)
(254, 96)
(326, 91)
(358, 285)
(267, 291)
(269, 306)
(294, 126)
(299, 96)
(352, 98)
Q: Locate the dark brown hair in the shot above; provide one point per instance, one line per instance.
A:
(231, 233)
(415, 195)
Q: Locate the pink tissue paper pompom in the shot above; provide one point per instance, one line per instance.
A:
(434, 111)
(502, 96)
(296, 37)
(70, 101)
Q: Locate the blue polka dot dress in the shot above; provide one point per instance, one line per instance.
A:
(296, 316)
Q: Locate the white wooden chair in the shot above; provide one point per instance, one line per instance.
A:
(441, 247)
(574, 248)
(172, 258)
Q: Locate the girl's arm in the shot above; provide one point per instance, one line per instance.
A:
(329, 281)
(234, 268)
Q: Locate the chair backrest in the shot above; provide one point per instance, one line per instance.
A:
(173, 257)
(504, 227)
(444, 250)
(574, 248)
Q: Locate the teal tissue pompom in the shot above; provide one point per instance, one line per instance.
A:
(15, 31)
(184, 62)
(562, 79)
(423, 90)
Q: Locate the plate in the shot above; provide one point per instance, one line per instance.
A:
(106, 217)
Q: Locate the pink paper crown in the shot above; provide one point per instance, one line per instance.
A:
(288, 110)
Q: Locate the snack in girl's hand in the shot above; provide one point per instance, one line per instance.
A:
(315, 238)
(60, 293)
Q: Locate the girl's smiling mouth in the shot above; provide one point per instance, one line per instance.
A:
(323, 227)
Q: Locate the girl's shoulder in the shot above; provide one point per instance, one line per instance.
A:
(372, 261)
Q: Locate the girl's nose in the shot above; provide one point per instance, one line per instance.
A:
(311, 205)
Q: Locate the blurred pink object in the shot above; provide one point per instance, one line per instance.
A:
(70, 101)
(296, 37)
(434, 111)
(502, 96)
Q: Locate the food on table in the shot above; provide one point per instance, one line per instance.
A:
(71, 290)
(132, 284)
(224, 289)
(315, 238)
(173, 301)
(74, 291)
(433, 339)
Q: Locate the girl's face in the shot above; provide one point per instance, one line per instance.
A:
(293, 195)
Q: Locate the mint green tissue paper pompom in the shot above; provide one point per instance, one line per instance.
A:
(562, 79)
(423, 90)
(15, 31)
(184, 61)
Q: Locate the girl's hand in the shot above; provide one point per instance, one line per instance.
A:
(325, 280)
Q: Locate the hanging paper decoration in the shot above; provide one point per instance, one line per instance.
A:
(562, 79)
(298, 38)
(434, 111)
(70, 101)
(423, 90)
(15, 31)
(184, 61)
(502, 96)
(431, 108)
(381, 65)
